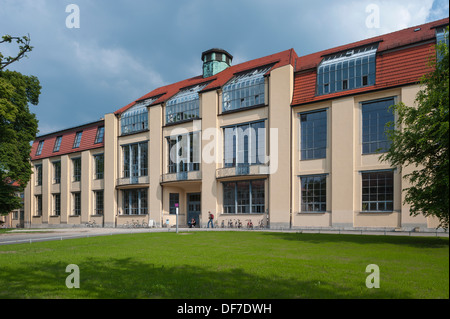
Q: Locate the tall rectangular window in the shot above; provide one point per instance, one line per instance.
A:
(57, 172)
(245, 90)
(441, 37)
(56, 204)
(313, 135)
(244, 197)
(100, 135)
(174, 199)
(76, 163)
(135, 202)
(377, 191)
(313, 193)
(347, 70)
(57, 144)
(99, 160)
(39, 148)
(98, 199)
(184, 153)
(38, 170)
(77, 141)
(76, 199)
(244, 144)
(135, 159)
(38, 210)
(375, 116)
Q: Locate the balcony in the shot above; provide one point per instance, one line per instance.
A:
(181, 176)
(133, 180)
(242, 170)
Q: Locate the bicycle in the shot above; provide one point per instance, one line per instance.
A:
(144, 224)
(261, 224)
(91, 224)
(249, 224)
(222, 225)
(230, 223)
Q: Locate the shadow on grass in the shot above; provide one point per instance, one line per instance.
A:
(418, 242)
(128, 278)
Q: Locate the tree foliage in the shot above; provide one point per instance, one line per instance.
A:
(420, 141)
(18, 127)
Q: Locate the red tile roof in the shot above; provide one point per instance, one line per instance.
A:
(397, 63)
(68, 138)
(216, 81)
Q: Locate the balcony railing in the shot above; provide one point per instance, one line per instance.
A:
(181, 176)
(242, 170)
(133, 180)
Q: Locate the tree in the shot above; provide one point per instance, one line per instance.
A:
(421, 141)
(18, 126)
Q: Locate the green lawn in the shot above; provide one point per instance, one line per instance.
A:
(228, 265)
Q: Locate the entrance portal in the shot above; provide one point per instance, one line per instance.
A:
(194, 208)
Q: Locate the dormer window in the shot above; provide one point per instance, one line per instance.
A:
(77, 141)
(347, 70)
(185, 105)
(136, 118)
(245, 90)
(40, 147)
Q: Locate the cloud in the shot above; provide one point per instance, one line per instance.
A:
(114, 69)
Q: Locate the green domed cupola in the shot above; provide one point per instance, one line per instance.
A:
(215, 61)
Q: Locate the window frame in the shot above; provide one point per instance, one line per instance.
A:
(363, 128)
(40, 147)
(241, 202)
(246, 153)
(314, 133)
(76, 204)
(57, 145)
(141, 157)
(248, 87)
(99, 137)
(99, 174)
(77, 140)
(56, 172)
(377, 194)
(323, 186)
(76, 176)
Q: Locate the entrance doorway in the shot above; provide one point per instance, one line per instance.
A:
(194, 208)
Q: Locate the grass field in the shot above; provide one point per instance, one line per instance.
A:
(263, 265)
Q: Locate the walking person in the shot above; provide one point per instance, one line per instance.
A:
(211, 219)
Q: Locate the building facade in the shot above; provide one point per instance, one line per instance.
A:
(283, 141)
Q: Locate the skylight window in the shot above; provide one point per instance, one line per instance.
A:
(347, 70)
(40, 147)
(245, 90)
(100, 135)
(185, 105)
(57, 144)
(136, 118)
(77, 141)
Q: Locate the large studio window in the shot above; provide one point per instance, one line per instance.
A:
(347, 70)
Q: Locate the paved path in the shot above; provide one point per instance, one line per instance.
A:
(36, 235)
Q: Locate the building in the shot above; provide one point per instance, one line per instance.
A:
(14, 219)
(284, 141)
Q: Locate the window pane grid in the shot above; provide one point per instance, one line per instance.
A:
(313, 193)
(185, 105)
(375, 116)
(377, 191)
(135, 202)
(313, 130)
(347, 70)
(245, 144)
(244, 197)
(245, 90)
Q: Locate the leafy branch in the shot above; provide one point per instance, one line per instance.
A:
(24, 48)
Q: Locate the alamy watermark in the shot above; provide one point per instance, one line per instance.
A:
(73, 280)
(373, 19)
(73, 19)
(373, 280)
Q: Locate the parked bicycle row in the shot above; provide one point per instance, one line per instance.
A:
(237, 223)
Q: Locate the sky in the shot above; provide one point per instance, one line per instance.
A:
(121, 50)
